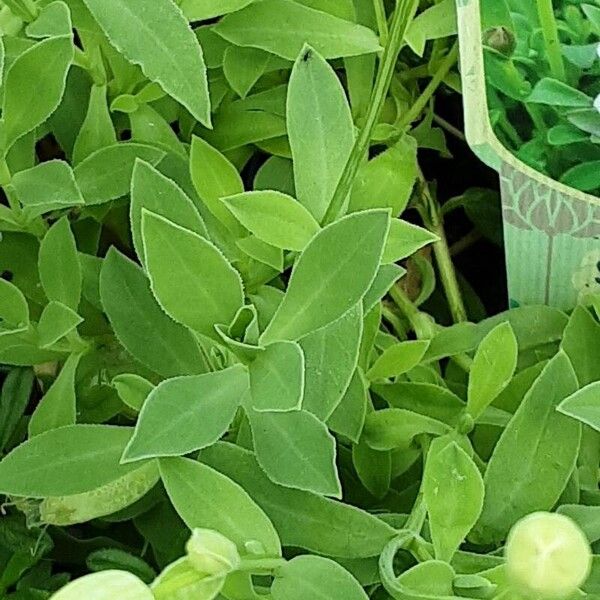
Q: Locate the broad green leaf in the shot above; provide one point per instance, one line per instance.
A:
(214, 178)
(283, 27)
(202, 10)
(583, 405)
(275, 218)
(427, 580)
(277, 378)
(106, 174)
(97, 130)
(150, 127)
(583, 176)
(190, 277)
(556, 93)
(58, 406)
(349, 416)
(206, 498)
(107, 558)
(303, 519)
(326, 267)
(105, 585)
(453, 491)
(46, 187)
(14, 310)
(587, 517)
(295, 450)
(438, 21)
(320, 130)
(396, 428)
(374, 468)
(535, 455)
(398, 359)
(405, 239)
(60, 269)
(184, 414)
(331, 355)
(54, 20)
(47, 63)
(262, 252)
(492, 369)
(162, 44)
(70, 460)
(386, 277)
(136, 317)
(315, 577)
(156, 193)
(276, 173)
(387, 180)
(56, 321)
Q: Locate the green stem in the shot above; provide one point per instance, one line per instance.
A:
(382, 24)
(421, 323)
(551, 40)
(431, 214)
(421, 102)
(403, 16)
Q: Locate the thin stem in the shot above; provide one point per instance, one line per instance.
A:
(382, 24)
(403, 15)
(451, 129)
(421, 102)
(551, 40)
(421, 323)
(465, 242)
(431, 214)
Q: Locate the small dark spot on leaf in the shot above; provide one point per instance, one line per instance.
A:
(307, 55)
(7, 275)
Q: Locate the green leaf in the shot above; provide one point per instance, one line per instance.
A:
(396, 428)
(54, 20)
(453, 491)
(277, 378)
(283, 27)
(106, 174)
(158, 38)
(296, 450)
(535, 455)
(56, 321)
(132, 389)
(76, 459)
(202, 10)
(47, 63)
(492, 369)
(584, 177)
(326, 267)
(104, 586)
(436, 22)
(303, 519)
(587, 517)
(262, 252)
(97, 130)
(46, 187)
(387, 181)
(136, 317)
(275, 218)
(386, 277)
(320, 130)
(205, 498)
(152, 191)
(60, 269)
(404, 239)
(374, 469)
(58, 406)
(331, 355)
(14, 398)
(184, 414)
(214, 178)
(190, 277)
(14, 310)
(398, 359)
(315, 577)
(556, 93)
(583, 405)
(349, 416)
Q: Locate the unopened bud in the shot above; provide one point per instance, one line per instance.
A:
(212, 553)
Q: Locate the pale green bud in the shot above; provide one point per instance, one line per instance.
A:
(212, 553)
(105, 585)
(547, 556)
(182, 581)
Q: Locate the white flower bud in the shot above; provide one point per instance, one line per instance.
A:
(212, 553)
(547, 556)
(597, 103)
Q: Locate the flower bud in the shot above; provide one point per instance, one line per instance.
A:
(501, 40)
(182, 581)
(547, 556)
(105, 585)
(212, 553)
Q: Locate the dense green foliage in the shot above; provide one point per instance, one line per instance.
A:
(238, 361)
